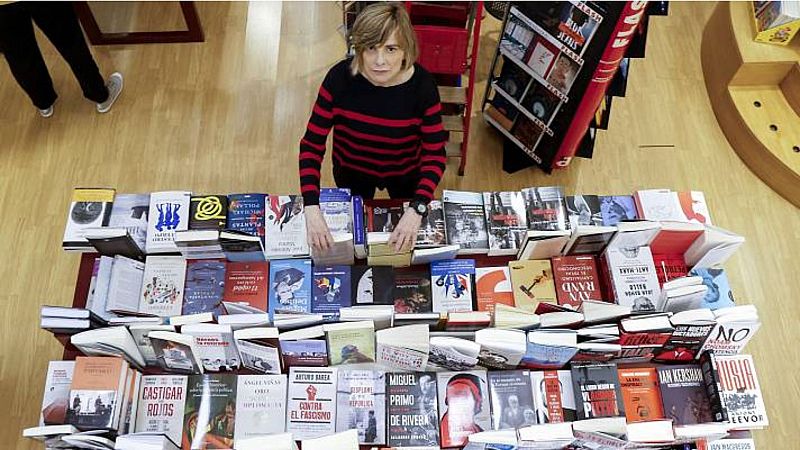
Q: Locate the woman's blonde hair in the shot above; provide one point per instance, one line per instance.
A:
(374, 26)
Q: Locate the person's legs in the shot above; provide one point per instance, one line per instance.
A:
(358, 184)
(18, 45)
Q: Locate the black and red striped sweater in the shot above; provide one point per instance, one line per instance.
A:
(382, 133)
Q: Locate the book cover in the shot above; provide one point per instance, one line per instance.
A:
(209, 420)
(512, 399)
(351, 345)
(464, 406)
(634, 278)
(285, 228)
(694, 207)
(260, 355)
(331, 290)
(517, 37)
(576, 279)
(685, 342)
(205, 284)
(549, 349)
(554, 398)
(411, 410)
(719, 294)
(161, 403)
(246, 214)
(541, 102)
(513, 80)
(304, 353)
(533, 283)
(452, 285)
(683, 394)
(372, 285)
(431, 231)
(563, 74)
(412, 291)
(95, 395)
(56, 392)
(597, 390)
(208, 212)
(506, 221)
(337, 209)
(260, 405)
(90, 208)
(527, 132)
(311, 402)
(175, 356)
(640, 393)
(215, 345)
(493, 286)
(542, 56)
(361, 404)
(741, 392)
(729, 338)
(246, 284)
(169, 212)
(545, 208)
(584, 210)
(577, 25)
(669, 267)
(290, 286)
(130, 211)
(382, 215)
(465, 220)
(616, 208)
(162, 286)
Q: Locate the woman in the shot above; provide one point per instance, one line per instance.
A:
(385, 112)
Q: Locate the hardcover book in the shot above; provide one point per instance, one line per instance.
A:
(554, 399)
(260, 405)
(90, 208)
(633, 278)
(641, 395)
(546, 209)
(311, 402)
(576, 279)
(465, 408)
(331, 290)
(411, 410)
(246, 214)
(533, 283)
(493, 286)
(169, 212)
(162, 286)
(584, 210)
(412, 291)
(161, 405)
(285, 226)
(597, 390)
(616, 208)
(130, 211)
(246, 284)
(683, 394)
(741, 392)
(209, 420)
(512, 399)
(96, 393)
(208, 212)
(506, 221)
(361, 404)
(56, 392)
(205, 283)
(290, 286)
(465, 221)
(452, 285)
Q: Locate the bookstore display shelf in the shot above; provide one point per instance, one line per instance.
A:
(535, 75)
(522, 109)
(508, 134)
(754, 89)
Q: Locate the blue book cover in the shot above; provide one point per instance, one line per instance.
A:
(615, 208)
(246, 214)
(359, 233)
(452, 285)
(719, 293)
(331, 290)
(205, 283)
(289, 286)
(305, 352)
(541, 356)
(336, 206)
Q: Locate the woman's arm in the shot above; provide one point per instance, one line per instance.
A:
(432, 156)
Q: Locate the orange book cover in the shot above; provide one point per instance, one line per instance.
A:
(641, 394)
(96, 392)
(493, 286)
(533, 283)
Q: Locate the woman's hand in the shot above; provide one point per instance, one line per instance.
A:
(405, 233)
(319, 236)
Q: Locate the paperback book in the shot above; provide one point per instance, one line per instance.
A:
(452, 284)
(209, 420)
(361, 404)
(290, 286)
(260, 405)
(506, 221)
(215, 345)
(584, 210)
(719, 294)
(259, 349)
(169, 212)
(96, 393)
(741, 392)
(208, 212)
(465, 407)
(683, 394)
(533, 283)
(246, 284)
(465, 221)
(372, 285)
(492, 287)
(512, 399)
(205, 284)
(546, 209)
(633, 278)
(130, 211)
(285, 224)
(331, 290)
(90, 208)
(616, 208)
(56, 392)
(412, 291)
(641, 395)
(311, 402)
(246, 214)
(576, 280)
(554, 398)
(411, 410)
(162, 286)
(161, 405)
(597, 390)
(431, 231)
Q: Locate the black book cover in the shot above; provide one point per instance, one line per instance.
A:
(372, 285)
(511, 395)
(584, 210)
(597, 390)
(412, 291)
(513, 80)
(683, 394)
(713, 386)
(208, 212)
(541, 102)
(411, 410)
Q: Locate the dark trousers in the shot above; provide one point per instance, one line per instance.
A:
(365, 185)
(58, 22)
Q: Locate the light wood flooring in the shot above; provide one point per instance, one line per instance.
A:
(226, 116)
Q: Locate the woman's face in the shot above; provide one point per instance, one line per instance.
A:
(382, 63)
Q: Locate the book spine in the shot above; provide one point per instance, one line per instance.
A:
(359, 235)
(713, 386)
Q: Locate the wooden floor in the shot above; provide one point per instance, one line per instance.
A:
(226, 116)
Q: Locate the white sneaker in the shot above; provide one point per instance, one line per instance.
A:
(47, 112)
(114, 85)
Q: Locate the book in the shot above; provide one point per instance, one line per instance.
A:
(208, 212)
(465, 221)
(432, 230)
(381, 315)
(719, 294)
(553, 397)
(162, 286)
(510, 317)
(350, 342)
(694, 207)
(429, 255)
(215, 345)
(403, 347)
(640, 393)
(199, 244)
(692, 328)
(205, 283)
(382, 215)
(500, 349)
(238, 246)
(634, 234)
(311, 402)
(260, 400)
(169, 212)
(411, 410)
(176, 352)
(161, 405)
(516, 37)
(452, 285)
(246, 214)
(96, 393)
(633, 278)
(259, 349)
(492, 287)
(513, 80)
(144, 440)
(675, 238)
(285, 224)
(89, 208)
(280, 441)
(56, 392)
(583, 210)
(506, 221)
(464, 406)
(331, 290)
(617, 208)
(209, 419)
(246, 284)
(589, 239)
(543, 244)
(735, 327)
(452, 353)
(511, 395)
(361, 404)
(140, 332)
(741, 392)
(305, 352)
(713, 248)
(412, 291)
(545, 208)
(382, 253)
(549, 349)
(290, 286)
(576, 279)
(125, 285)
(130, 212)
(658, 205)
(669, 267)
(597, 390)
(109, 341)
(643, 335)
(683, 394)
(533, 283)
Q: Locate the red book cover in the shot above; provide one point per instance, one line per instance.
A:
(577, 279)
(641, 394)
(382, 215)
(669, 267)
(246, 282)
(552, 390)
(674, 242)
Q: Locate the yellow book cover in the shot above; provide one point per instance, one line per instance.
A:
(350, 342)
(533, 283)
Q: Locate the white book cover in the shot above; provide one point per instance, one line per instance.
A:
(162, 286)
(56, 392)
(101, 286)
(125, 285)
(169, 212)
(161, 403)
(361, 405)
(729, 338)
(464, 406)
(285, 230)
(130, 212)
(403, 348)
(256, 356)
(659, 204)
(634, 278)
(260, 405)
(139, 333)
(741, 392)
(311, 402)
(464, 220)
(452, 285)
(215, 345)
(90, 208)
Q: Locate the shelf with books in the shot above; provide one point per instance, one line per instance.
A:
(510, 136)
(535, 75)
(522, 109)
(546, 35)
